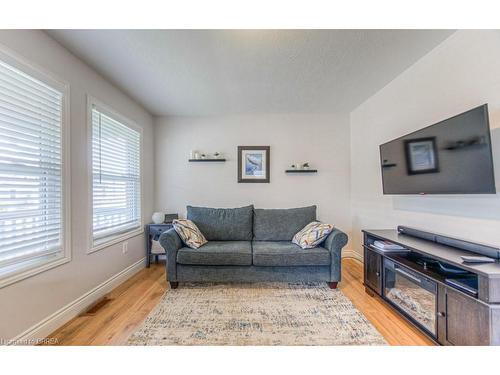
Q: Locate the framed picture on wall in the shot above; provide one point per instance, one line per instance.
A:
(421, 155)
(253, 164)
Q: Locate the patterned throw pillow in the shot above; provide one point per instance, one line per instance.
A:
(189, 233)
(312, 234)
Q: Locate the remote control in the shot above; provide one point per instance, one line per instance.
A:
(477, 259)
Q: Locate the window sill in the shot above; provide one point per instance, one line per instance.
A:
(15, 276)
(115, 240)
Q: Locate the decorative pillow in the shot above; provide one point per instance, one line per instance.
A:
(312, 234)
(189, 233)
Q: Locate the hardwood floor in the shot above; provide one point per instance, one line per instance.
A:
(130, 303)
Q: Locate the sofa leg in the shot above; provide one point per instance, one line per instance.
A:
(174, 284)
(332, 284)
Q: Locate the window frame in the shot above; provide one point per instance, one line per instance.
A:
(34, 267)
(108, 111)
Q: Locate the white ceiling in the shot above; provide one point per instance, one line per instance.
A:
(209, 72)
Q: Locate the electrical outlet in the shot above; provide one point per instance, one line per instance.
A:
(125, 247)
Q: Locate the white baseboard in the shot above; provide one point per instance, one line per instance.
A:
(48, 325)
(348, 253)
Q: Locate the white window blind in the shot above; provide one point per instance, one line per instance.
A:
(116, 178)
(31, 180)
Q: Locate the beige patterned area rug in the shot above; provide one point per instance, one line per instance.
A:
(255, 314)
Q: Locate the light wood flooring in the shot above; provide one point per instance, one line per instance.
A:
(130, 303)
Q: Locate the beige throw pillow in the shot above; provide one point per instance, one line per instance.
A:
(189, 233)
(312, 234)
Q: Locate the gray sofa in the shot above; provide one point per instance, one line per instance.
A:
(252, 245)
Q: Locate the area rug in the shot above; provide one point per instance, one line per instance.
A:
(255, 314)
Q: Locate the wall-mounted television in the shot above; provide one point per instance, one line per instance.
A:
(453, 156)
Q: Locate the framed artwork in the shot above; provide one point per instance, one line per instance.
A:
(253, 164)
(421, 155)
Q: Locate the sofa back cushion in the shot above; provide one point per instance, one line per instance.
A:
(223, 224)
(281, 224)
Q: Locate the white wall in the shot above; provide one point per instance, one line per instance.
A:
(323, 140)
(461, 73)
(27, 302)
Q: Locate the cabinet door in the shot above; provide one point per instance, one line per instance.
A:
(373, 271)
(462, 320)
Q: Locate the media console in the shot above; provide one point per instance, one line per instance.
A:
(453, 302)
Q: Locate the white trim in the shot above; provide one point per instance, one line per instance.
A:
(349, 253)
(28, 67)
(115, 240)
(16, 276)
(48, 325)
(92, 101)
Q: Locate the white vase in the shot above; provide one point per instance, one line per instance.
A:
(158, 217)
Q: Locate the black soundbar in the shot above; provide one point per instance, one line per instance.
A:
(489, 251)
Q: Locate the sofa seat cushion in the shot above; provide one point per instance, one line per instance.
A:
(217, 253)
(284, 253)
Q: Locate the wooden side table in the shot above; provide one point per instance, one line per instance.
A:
(153, 232)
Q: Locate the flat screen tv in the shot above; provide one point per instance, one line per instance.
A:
(453, 156)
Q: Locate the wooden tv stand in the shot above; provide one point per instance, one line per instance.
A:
(461, 318)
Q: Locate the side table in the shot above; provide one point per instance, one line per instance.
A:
(153, 232)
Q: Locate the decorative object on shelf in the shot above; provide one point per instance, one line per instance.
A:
(158, 217)
(293, 166)
(301, 171)
(207, 160)
(199, 156)
(254, 164)
(305, 166)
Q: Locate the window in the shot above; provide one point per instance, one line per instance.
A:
(116, 177)
(33, 149)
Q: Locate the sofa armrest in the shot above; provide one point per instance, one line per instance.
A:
(171, 242)
(334, 243)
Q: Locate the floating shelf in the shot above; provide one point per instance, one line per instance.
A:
(204, 160)
(301, 171)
